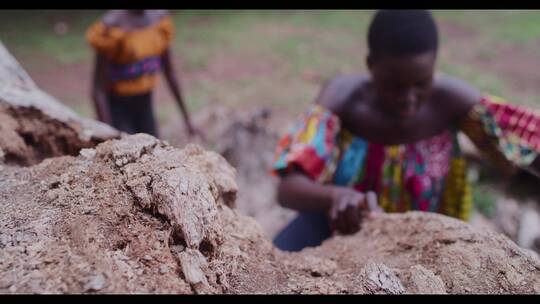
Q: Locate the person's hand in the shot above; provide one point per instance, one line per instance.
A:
(350, 207)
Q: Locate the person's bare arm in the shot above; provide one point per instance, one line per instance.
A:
(298, 192)
(459, 97)
(174, 85)
(345, 206)
(337, 92)
(98, 90)
(462, 97)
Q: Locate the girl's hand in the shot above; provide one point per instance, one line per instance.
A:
(350, 207)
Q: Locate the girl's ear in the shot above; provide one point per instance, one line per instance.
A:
(369, 62)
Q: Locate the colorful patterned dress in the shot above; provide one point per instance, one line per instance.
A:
(429, 175)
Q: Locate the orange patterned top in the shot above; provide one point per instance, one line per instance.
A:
(134, 54)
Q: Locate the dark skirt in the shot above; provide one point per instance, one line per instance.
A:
(133, 114)
(306, 230)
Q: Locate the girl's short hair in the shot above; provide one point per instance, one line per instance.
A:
(402, 32)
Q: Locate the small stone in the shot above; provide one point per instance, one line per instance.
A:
(88, 153)
(163, 269)
(95, 283)
(177, 248)
(52, 195)
(4, 240)
(193, 263)
(147, 258)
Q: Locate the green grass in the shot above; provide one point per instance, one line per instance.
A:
(32, 32)
(483, 200)
(513, 26)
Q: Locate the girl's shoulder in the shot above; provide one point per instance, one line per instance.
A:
(455, 95)
(338, 91)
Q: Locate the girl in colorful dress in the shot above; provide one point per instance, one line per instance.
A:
(387, 141)
(132, 46)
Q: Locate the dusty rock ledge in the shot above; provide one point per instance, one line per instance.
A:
(137, 216)
(34, 125)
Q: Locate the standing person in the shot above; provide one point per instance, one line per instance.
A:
(132, 46)
(388, 140)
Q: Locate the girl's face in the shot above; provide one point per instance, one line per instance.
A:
(402, 83)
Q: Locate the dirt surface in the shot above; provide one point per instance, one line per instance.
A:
(138, 216)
